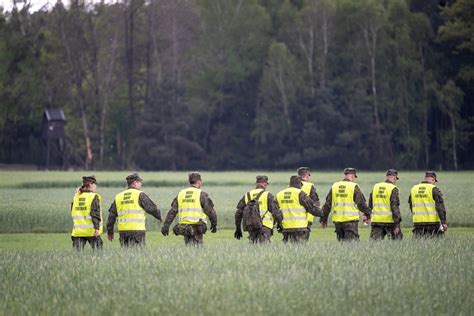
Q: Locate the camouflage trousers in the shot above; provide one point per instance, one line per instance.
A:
(78, 243)
(260, 236)
(347, 231)
(295, 237)
(194, 240)
(378, 232)
(427, 231)
(309, 230)
(132, 238)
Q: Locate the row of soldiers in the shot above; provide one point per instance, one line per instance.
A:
(292, 211)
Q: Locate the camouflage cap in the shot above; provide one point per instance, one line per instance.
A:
(262, 178)
(89, 179)
(351, 171)
(303, 170)
(133, 177)
(194, 176)
(295, 181)
(392, 172)
(431, 174)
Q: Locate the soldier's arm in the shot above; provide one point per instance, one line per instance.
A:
(309, 205)
(359, 200)
(314, 196)
(409, 203)
(171, 213)
(95, 212)
(327, 207)
(371, 205)
(239, 213)
(208, 207)
(395, 207)
(439, 204)
(112, 218)
(274, 209)
(149, 206)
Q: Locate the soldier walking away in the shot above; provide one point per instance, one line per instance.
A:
(345, 200)
(268, 212)
(310, 190)
(384, 201)
(128, 210)
(427, 207)
(193, 206)
(86, 215)
(294, 205)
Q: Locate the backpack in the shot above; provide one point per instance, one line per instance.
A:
(251, 214)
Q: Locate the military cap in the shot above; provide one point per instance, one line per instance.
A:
(392, 172)
(133, 177)
(194, 176)
(89, 179)
(303, 170)
(295, 181)
(431, 174)
(351, 171)
(262, 178)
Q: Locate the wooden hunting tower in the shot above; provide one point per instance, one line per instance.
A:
(53, 131)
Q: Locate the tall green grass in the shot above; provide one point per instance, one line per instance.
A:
(415, 277)
(31, 205)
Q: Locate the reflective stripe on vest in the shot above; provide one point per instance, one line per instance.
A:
(423, 204)
(294, 214)
(306, 188)
(189, 206)
(80, 213)
(343, 206)
(131, 216)
(381, 210)
(267, 220)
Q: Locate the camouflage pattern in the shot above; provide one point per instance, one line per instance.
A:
(295, 236)
(347, 231)
(144, 201)
(132, 238)
(262, 236)
(439, 204)
(197, 230)
(378, 232)
(427, 231)
(78, 243)
(132, 178)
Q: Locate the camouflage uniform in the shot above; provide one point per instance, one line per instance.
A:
(431, 229)
(380, 230)
(346, 230)
(78, 243)
(312, 194)
(265, 234)
(133, 237)
(194, 232)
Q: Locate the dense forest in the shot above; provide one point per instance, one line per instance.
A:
(241, 84)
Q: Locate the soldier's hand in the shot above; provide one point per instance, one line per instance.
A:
(110, 237)
(238, 234)
(279, 228)
(365, 219)
(96, 233)
(213, 228)
(396, 231)
(323, 224)
(445, 227)
(165, 230)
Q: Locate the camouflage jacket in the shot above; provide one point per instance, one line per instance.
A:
(394, 207)
(439, 204)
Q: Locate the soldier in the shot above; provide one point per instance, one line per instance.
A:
(310, 190)
(384, 202)
(427, 207)
(86, 215)
(294, 205)
(192, 206)
(268, 212)
(128, 209)
(345, 200)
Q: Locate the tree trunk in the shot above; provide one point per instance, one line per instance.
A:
(454, 142)
(426, 139)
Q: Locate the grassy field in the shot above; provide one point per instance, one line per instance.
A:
(40, 201)
(41, 275)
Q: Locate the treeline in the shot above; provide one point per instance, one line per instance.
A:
(240, 84)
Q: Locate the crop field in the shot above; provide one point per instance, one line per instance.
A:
(41, 275)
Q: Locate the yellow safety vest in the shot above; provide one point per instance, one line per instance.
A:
(381, 211)
(267, 219)
(423, 205)
(131, 216)
(189, 206)
(306, 188)
(294, 214)
(81, 214)
(343, 206)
